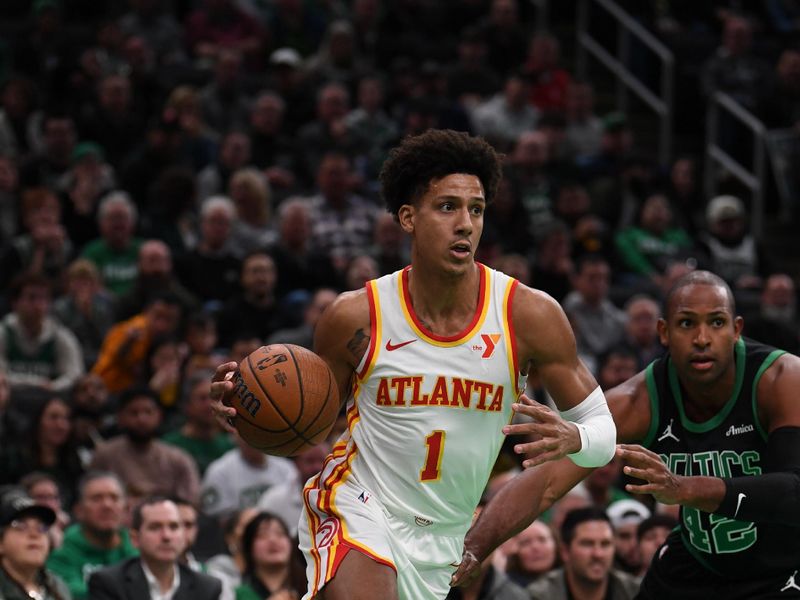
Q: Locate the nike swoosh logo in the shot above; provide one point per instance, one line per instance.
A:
(390, 347)
(739, 503)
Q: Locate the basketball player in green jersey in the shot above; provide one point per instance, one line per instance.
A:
(718, 419)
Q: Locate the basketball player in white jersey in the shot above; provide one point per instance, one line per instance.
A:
(430, 360)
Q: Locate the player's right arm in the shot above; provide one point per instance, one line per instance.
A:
(341, 338)
(535, 490)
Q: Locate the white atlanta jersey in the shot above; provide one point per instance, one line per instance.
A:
(426, 414)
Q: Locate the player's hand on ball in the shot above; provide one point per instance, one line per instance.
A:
(641, 463)
(468, 569)
(555, 437)
(221, 390)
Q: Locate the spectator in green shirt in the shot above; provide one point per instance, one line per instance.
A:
(98, 539)
(116, 251)
(645, 249)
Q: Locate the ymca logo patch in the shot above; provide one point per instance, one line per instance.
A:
(490, 341)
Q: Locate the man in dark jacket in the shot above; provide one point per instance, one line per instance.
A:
(157, 532)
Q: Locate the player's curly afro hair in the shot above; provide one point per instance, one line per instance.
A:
(437, 153)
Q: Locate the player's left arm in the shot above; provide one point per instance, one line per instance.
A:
(771, 497)
(583, 429)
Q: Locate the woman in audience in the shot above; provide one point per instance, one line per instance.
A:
(229, 567)
(272, 569)
(50, 449)
(535, 554)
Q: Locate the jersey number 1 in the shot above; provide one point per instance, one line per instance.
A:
(433, 458)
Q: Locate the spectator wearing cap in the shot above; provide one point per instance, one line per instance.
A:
(114, 252)
(88, 180)
(24, 547)
(98, 538)
(588, 553)
(287, 78)
(733, 252)
(157, 573)
(139, 459)
(40, 355)
(626, 515)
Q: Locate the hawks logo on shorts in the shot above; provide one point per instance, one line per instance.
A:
(327, 532)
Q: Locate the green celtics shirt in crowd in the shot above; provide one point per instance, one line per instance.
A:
(117, 267)
(78, 558)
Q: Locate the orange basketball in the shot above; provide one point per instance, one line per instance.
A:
(286, 399)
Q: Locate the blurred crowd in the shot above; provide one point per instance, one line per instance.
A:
(184, 181)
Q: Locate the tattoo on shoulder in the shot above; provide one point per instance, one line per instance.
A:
(358, 344)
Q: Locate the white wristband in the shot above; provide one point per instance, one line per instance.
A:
(597, 430)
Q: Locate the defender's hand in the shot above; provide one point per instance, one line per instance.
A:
(468, 569)
(644, 464)
(557, 437)
(221, 391)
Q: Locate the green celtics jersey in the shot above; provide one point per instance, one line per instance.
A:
(733, 443)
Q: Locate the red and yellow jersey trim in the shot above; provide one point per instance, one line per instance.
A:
(374, 331)
(510, 333)
(439, 340)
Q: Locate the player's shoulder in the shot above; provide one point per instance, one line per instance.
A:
(530, 304)
(348, 308)
(783, 371)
